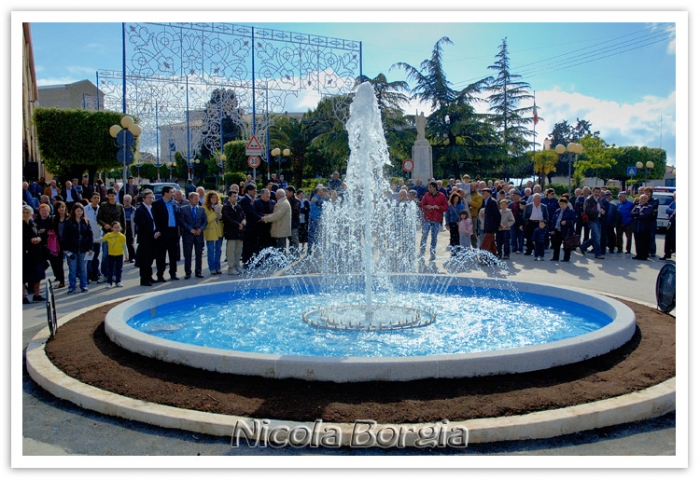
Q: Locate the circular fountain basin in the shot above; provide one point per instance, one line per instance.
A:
(618, 320)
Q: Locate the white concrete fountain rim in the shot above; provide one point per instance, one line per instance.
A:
(358, 369)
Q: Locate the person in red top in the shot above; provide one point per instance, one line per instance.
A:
(433, 205)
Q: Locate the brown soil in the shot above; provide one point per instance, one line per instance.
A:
(82, 350)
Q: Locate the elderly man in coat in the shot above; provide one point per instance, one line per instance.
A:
(281, 220)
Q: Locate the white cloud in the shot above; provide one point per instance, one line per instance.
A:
(637, 124)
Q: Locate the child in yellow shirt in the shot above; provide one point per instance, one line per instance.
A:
(116, 251)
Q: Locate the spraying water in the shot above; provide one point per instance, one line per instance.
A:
(365, 250)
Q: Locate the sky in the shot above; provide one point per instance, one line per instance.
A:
(620, 74)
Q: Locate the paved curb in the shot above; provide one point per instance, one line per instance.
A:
(649, 403)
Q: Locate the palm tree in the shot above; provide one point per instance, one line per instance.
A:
(389, 97)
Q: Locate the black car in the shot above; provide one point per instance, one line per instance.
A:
(156, 188)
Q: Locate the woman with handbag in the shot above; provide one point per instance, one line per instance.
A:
(563, 232)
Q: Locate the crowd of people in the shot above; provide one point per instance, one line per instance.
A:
(499, 218)
(97, 230)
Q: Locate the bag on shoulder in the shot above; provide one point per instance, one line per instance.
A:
(52, 243)
(584, 217)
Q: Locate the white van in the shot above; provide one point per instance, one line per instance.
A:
(665, 196)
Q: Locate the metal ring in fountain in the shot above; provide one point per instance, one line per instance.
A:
(379, 318)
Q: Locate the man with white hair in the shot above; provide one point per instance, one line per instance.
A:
(281, 220)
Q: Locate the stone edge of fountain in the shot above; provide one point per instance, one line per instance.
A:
(651, 402)
(357, 369)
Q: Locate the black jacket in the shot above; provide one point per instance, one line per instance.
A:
(77, 237)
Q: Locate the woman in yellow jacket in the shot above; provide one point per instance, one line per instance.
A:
(214, 233)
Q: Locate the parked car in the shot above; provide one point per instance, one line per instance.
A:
(665, 196)
(157, 189)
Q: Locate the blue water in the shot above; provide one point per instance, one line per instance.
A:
(468, 320)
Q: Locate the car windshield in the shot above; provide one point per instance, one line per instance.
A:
(665, 200)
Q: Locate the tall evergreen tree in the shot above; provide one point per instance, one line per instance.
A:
(507, 94)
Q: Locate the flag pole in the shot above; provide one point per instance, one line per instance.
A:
(534, 120)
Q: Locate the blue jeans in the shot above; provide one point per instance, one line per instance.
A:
(433, 228)
(313, 230)
(214, 254)
(115, 263)
(105, 263)
(594, 240)
(517, 239)
(76, 266)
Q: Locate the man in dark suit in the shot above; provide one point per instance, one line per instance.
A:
(165, 214)
(492, 220)
(264, 205)
(146, 237)
(193, 221)
(252, 218)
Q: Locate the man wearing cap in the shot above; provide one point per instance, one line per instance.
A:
(624, 222)
(492, 220)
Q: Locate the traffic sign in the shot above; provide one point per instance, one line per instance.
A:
(254, 161)
(408, 165)
(631, 171)
(253, 148)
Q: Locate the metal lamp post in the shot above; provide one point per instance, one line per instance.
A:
(221, 162)
(125, 134)
(276, 152)
(571, 148)
(649, 166)
(170, 166)
(190, 168)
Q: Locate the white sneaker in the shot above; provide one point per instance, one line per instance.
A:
(119, 284)
(101, 280)
(109, 285)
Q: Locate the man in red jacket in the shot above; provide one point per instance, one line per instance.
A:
(433, 205)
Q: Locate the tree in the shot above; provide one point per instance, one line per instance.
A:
(73, 141)
(390, 98)
(507, 93)
(432, 84)
(563, 134)
(545, 162)
(291, 133)
(597, 155)
(221, 122)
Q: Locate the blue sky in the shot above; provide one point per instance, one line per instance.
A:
(620, 74)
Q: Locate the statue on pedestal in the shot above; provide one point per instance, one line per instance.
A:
(420, 126)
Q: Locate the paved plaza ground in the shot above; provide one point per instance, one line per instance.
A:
(56, 427)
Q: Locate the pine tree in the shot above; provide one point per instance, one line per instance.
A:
(507, 94)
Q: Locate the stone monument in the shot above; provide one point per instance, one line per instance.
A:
(422, 153)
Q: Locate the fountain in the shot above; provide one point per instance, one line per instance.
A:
(371, 312)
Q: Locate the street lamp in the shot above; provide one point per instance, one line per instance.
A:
(571, 148)
(221, 162)
(170, 165)
(649, 166)
(276, 152)
(190, 168)
(125, 134)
